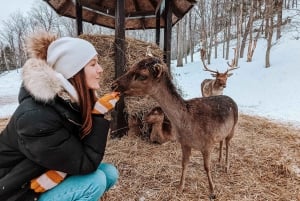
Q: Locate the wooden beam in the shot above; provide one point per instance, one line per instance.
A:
(143, 14)
(177, 12)
(120, 38)
(100, 10)
(157, 29)
(119, 124)
(154, 3)
(159, 7)
(168, 33)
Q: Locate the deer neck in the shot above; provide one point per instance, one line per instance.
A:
(170, 101)
(217, 85)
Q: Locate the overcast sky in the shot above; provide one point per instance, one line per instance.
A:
(12, 6)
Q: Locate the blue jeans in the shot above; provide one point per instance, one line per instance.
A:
(89, 187)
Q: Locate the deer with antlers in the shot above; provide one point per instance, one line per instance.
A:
(215, 87)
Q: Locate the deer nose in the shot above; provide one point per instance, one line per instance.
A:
(114, 86)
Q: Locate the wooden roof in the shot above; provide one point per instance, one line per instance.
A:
(139, 14)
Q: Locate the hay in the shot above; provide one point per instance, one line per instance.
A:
(135, 50)
(264, 165)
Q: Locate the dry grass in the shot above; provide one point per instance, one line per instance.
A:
(264, 166)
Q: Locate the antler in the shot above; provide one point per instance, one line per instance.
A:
(202, 52)
(230, 69)
(233, 61)
(148, 51)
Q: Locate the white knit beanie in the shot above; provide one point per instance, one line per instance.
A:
(69, 55)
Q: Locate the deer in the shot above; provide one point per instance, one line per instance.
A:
(199, 123)
(215, 87)
(161, 128)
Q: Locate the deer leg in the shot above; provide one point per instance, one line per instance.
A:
(220, 152)
(227, 152)
(186, 153)
(206, 158)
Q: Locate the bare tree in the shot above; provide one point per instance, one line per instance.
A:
(203, 28)
(191, 37)
(68, 26)
(248, 29)
(269, 29)
(179, 44)
(252, 44)
(208, 24)
(211, 28)
(229, 9)
(43, 17)
(278, 5)
(239, 20)
(184, 37)
(14, 33)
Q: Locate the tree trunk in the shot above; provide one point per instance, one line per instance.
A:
(185, 43)
(269, 31)
(247, 30)
(228, 39)
(239, 32)
(179, 44)
(211, 30)
(251, 47)
(191, 38)
(279, 18)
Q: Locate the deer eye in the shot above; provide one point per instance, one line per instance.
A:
(141, 77)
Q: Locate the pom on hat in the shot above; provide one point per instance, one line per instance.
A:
(38, 43)
(69, 55)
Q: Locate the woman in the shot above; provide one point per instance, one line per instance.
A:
(54, 143)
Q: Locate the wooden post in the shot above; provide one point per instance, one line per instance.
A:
(168, 33)
(119, 124)
(157, 34)
(79, 18)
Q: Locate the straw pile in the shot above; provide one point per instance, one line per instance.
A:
(264, 165)
(135, 51)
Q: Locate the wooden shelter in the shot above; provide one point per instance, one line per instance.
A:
(124, 15)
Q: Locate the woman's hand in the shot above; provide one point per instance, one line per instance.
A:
(106, 103)
(47, 181)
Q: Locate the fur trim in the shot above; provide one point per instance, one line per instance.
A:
(37, 44)
(40, 80)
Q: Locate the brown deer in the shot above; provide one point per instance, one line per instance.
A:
(215, 87)
(161, 128)
(199, 123)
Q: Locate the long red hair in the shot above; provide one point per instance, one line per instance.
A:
(87, 99)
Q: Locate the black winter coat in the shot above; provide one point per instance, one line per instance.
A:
(43, 136)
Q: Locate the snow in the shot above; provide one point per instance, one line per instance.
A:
(268, 92)
(10, 83)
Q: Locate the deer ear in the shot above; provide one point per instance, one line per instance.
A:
(214, 75)
(229, 74)
(158, 69)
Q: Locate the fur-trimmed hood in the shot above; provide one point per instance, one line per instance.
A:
(39, 78)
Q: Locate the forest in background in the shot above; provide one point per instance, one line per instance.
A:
(210, 25)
